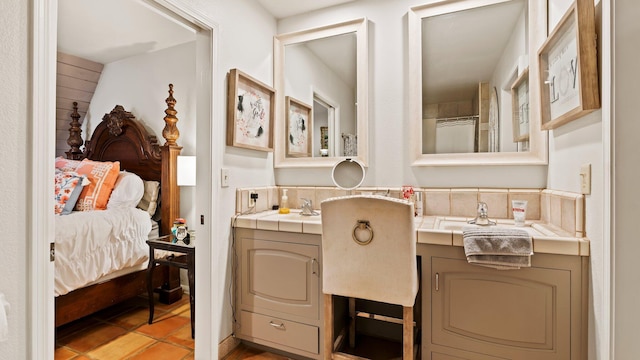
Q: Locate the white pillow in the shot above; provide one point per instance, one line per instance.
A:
(127, 191)
(149, 201)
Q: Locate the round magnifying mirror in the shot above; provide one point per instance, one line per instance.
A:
(348, 174)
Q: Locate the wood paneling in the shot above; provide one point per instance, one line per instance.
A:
(77, 80)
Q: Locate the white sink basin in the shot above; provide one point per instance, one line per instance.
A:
(459, 225)
(297, 215)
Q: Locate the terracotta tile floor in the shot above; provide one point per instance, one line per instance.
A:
(367, 348)
(122, 332)
(243, 351)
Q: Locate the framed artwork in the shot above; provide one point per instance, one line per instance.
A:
(568, 68)
(520, 106)
(324, 141)
(249, 112)
(324, 137)
(299, 128)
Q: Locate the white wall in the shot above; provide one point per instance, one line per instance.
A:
(388, 108)
(249, 48)
(244, 41)
(502, 80)
(15, 147)
(141, 84)
(306, 74)
(572, 145)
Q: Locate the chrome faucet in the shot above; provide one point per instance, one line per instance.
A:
(307, 208)
(482, 217)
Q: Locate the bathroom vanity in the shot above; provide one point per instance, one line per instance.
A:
(468, 311)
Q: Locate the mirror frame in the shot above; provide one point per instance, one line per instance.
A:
(538, 152)
(357, 26)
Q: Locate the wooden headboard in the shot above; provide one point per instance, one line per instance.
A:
(121, 137)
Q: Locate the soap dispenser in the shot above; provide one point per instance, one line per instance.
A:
(284, 202)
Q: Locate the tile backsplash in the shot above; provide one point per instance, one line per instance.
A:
(563, 210)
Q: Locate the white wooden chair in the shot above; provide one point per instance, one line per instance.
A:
(369, 252)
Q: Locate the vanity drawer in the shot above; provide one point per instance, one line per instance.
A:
(275, 330)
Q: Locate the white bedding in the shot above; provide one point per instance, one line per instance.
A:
(92, 244)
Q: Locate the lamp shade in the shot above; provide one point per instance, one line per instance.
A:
(186, 171)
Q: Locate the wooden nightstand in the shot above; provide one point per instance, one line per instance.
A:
(185, 258)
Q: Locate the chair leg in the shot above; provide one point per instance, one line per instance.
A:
(328, 326)
(352, 322)
(407, 333)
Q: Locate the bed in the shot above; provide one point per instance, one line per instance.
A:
(120, 137)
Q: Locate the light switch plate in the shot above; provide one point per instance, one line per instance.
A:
(224, 177)
(585, 179)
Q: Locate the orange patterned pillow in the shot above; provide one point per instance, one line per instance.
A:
(103, 176)
(66, 164)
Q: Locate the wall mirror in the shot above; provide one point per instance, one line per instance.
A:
(466, 57)
(320, 76)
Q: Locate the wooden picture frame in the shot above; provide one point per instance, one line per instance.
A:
(568, 68)
(520, 107)
(250, 112)
(324, 137)
(299, 128)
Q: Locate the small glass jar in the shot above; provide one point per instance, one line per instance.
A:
(179, 230)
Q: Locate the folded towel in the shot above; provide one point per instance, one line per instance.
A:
(499, 248)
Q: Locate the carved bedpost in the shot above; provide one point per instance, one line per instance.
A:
(75, 139)
(170, 205)
(170, 131)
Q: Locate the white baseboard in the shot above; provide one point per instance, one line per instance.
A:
(227, 345)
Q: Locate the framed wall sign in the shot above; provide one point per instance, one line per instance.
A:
(568, 67)
(298, 128)
(520, 106)
(249, 112)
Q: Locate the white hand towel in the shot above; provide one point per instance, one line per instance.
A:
(4, 322)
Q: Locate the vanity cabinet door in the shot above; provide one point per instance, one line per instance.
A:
(479, 313)
(278, 284)
(518, 313)
(280, 277)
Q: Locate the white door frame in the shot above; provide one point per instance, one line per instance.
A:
(333, 107)
(41, 224)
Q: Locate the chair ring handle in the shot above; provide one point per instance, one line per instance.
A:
(362, 225)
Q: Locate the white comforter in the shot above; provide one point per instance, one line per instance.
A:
(91, 244)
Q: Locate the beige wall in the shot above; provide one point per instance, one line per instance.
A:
(15, 147)
(626, 283)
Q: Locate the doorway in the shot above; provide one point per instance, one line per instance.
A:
(41, 299)
(326, 125)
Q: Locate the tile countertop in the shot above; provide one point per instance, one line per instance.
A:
(546, 238)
